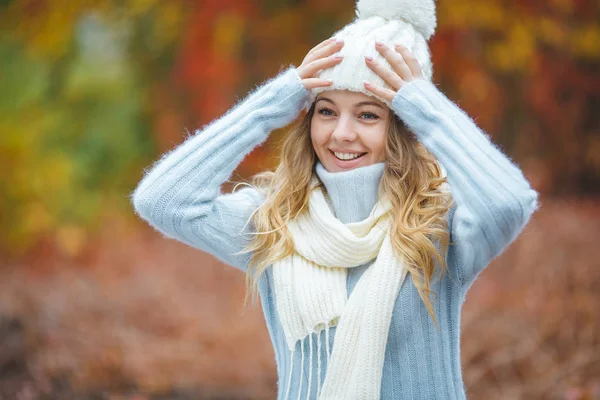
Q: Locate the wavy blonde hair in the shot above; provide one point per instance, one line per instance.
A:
(412, 180)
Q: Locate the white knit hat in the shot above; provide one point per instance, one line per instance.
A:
(408, 22)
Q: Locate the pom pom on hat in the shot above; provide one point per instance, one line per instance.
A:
(408, 22)
(419, 13)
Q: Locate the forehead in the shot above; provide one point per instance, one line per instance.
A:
(344, 97)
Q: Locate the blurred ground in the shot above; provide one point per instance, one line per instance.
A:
(168, 323)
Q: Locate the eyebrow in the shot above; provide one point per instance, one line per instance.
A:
(362, 103)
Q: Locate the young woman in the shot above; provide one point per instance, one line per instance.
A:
(387, 203)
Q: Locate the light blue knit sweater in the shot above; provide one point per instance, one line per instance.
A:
(180, 195)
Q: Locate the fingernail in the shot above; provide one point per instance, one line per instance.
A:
(369, 58)
(338, 57)
(339, 41)
(367, 83)
(378, 43)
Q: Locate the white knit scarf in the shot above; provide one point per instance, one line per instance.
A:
(310, 291)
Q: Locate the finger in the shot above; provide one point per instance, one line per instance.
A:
(327, 50)
(396, 61)
(315, 66)
(410, 60)
(391, 77)
(387, 94)
(321, 45)
(311, 83)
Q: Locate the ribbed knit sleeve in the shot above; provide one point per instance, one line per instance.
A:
(493, 199)
(180, 195)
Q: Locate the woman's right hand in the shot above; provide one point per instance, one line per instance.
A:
(320, 57)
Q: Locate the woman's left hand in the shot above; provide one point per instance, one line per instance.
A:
(405, 66)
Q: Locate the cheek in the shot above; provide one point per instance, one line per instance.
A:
(375, 141)
(317, 134)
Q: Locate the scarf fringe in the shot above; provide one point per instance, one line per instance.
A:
(311, 365)
(301, 368)
(319, 364)
(320, 361)
(289, 382)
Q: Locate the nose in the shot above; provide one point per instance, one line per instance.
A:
(343, 130)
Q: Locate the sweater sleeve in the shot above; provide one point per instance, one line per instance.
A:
(180, 194)
(493, 201)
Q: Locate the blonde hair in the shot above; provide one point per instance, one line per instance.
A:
(412, 180)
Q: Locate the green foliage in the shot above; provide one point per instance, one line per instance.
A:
(74, 132)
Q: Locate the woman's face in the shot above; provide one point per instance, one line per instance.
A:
(347, 124)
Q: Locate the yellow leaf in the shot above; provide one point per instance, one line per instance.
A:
(499, 57)
(586, 41)
(168, 22)
(565, 6)
(488, 15)
(522, 44)
(228, 34)
(35, 219)
(552, 32)
(71, 239)
(138, 7)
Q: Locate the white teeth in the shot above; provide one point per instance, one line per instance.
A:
(347, 156)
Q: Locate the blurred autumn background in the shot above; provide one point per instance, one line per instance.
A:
(94, 304)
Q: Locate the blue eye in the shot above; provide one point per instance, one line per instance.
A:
(324, 109)
(371, 115)
(368, 115)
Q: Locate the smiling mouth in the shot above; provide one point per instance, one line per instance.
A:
(349, 159)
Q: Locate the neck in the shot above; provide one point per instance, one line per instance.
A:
(352, 193)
